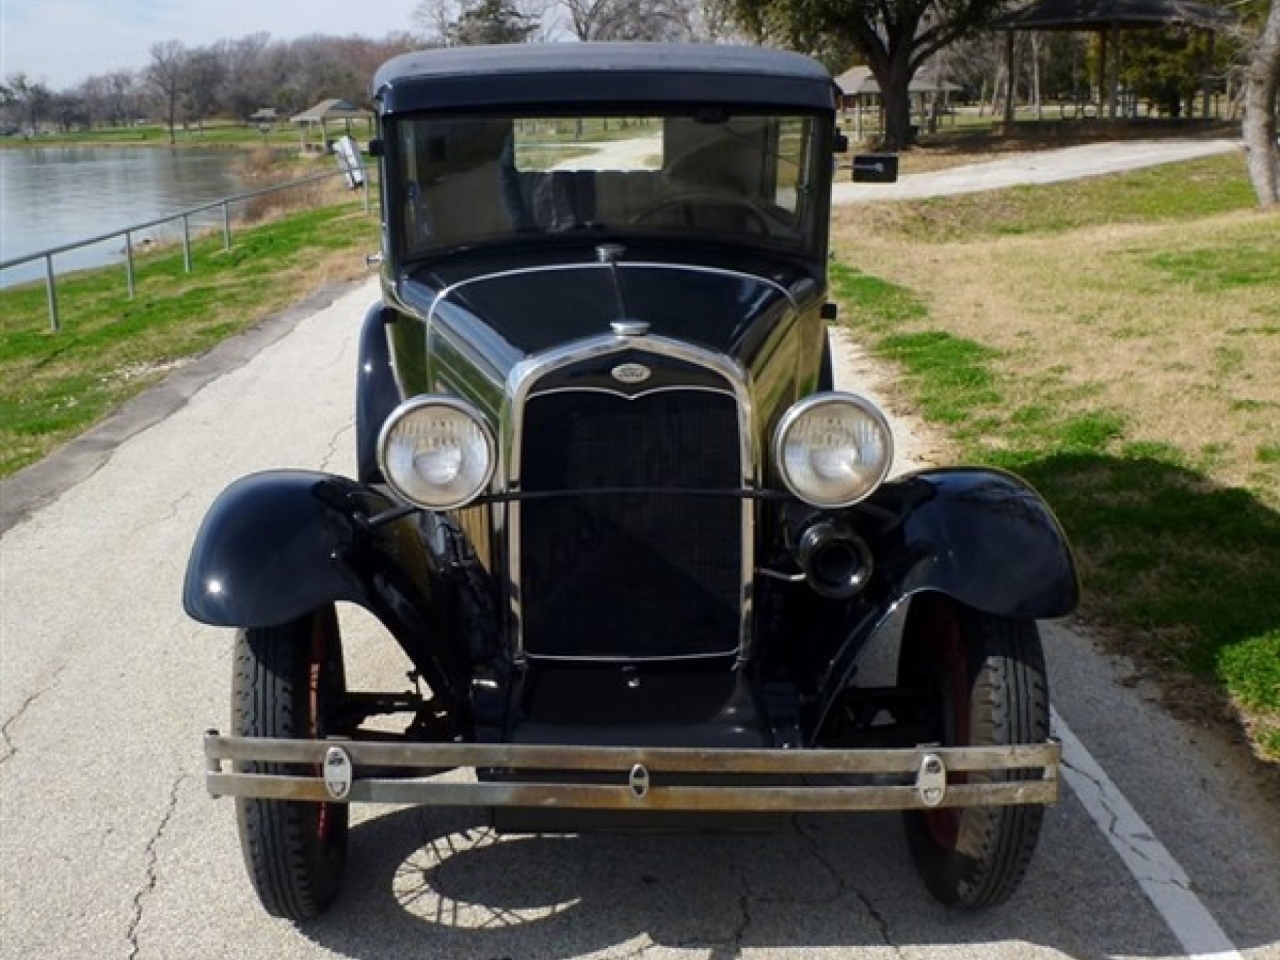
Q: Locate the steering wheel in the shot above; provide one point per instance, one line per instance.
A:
(691, 200)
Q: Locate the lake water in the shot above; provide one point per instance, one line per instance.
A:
(50, 196)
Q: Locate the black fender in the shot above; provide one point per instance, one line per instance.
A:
(981, 536)
(277, 544)
(376, 391)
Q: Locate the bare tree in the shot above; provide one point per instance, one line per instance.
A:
(591, 19)
(1259, 128)
(647, 19)
(29, 102)
(166, 74)
(246, 83)
(122, 95)
(69, 111)
(203, 75)
(435, 18)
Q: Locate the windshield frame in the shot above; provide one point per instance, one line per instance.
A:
(797, 232)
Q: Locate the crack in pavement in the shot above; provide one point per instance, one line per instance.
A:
(332, 452)
(846, 886)
(151, 857)
(730, 947)
(1113, 826)
(6, 742)
(9, 748)
(1166, 885)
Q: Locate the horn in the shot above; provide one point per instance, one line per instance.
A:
(835, 561)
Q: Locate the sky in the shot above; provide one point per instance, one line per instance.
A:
(63, 42)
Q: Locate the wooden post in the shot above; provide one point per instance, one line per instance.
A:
(1010, 84)
(51, 293)
(1103, 63)
(128, 262)
(1113, 105)
(1206, 81)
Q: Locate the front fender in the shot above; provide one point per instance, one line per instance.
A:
(981, 536)
(278, 544)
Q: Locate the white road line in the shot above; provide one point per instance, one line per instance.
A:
(1164, 882)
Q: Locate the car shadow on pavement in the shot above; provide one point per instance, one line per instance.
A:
(441, 883)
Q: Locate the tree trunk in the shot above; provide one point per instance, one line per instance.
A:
(1036, 52)
(1259, 127)
(895, 93)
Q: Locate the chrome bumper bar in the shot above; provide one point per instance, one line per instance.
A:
(640, 772)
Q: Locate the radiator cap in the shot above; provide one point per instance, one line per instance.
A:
(629, 328)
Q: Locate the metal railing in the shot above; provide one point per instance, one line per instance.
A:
(223, 205)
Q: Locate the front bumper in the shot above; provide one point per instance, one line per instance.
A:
(922, 775)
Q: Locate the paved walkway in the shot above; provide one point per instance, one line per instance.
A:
(1045, 166)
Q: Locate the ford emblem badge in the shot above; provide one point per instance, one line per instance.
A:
(631, 373)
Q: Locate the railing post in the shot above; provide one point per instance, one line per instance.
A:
(128, 261)
(51, 291)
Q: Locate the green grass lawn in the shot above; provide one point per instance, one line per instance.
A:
(1115, 341)
(55, 385)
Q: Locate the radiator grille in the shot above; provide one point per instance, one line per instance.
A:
(650, 574)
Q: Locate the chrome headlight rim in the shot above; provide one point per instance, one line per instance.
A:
(807, 405)
(412, 406)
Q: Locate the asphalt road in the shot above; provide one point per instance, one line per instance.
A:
(110, 848)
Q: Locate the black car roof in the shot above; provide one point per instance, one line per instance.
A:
(559, 75)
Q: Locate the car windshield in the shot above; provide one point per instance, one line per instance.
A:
(730, 178)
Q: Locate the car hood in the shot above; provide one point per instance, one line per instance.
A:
(539, 307)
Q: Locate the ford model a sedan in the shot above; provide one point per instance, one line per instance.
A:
(634, 545)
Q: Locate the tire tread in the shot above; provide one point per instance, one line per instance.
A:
(1009, 704)
(271, 666)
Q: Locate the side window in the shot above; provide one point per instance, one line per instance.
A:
(791, 162)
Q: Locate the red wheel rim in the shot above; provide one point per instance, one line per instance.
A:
(315, 728)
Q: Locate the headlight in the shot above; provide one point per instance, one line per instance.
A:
(833, 449)
(436, 452)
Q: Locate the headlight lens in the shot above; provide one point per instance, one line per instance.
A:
(833, 449)
(436, 452)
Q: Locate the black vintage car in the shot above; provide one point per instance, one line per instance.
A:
(633, 543)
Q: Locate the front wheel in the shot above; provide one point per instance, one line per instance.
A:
(289, 683)
(987, 678)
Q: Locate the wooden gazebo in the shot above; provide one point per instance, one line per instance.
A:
(858, 87)
(1108, 18)
(324, 113)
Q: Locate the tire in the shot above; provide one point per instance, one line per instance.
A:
(289, 683)
(988, 675)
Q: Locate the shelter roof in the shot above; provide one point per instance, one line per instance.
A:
(1099, 14)
(858, 80)
(331, 110)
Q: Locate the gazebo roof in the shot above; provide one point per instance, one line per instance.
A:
(1099, 14)
(331, 110)
(859, 80)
